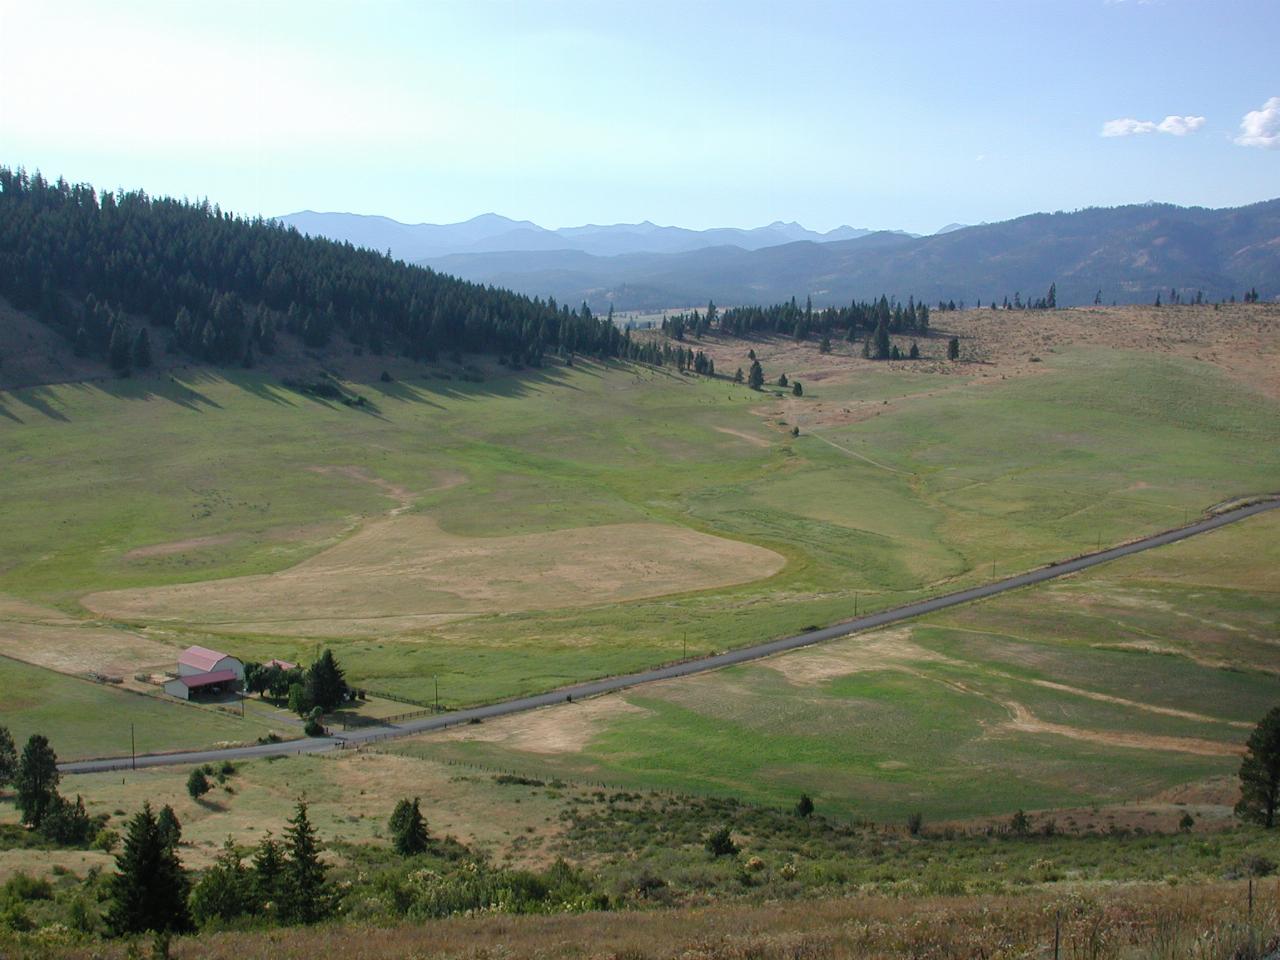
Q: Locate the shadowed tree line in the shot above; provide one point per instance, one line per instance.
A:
(102, 267)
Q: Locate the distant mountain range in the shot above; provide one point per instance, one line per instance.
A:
(491, 233)
(1128, 253)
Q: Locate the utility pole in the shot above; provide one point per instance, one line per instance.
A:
(686, 645)
(133, 749)
(436, 678)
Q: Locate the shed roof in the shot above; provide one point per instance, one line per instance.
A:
(202, 658)
(207, 679)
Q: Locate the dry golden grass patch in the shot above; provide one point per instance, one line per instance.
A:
(881, 650)
(566, 728)
(407, 567)
(1131, 922)
(79, 649)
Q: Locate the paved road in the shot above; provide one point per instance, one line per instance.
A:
(684, 669)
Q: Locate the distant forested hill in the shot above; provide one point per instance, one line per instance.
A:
(1125, 254)
(111, 270)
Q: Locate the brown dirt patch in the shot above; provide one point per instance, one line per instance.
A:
(1024, 721)
(406, 566)
(743, 435)
(883, 650)
(564, 728)
(180, 546)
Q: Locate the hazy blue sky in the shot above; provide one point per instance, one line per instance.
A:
(898, 113)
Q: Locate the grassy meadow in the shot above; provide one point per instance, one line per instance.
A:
(1122, 682)
(568, 497)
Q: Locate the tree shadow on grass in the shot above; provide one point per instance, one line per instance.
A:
(165, 386)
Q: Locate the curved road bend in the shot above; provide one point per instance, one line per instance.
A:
(684, 669)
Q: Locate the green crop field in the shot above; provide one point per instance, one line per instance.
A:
(188, 508)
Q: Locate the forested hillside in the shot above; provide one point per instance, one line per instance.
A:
(101, 268)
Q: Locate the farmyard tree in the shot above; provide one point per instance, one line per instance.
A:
(149, 888)
(168, 827)
(325, 688)
(1260, 773)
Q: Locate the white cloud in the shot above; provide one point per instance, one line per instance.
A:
(1261, 128)
(1173, 125)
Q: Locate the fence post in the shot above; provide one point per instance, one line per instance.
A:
(1057, 933)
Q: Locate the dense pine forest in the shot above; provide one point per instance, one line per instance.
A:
(102, 267)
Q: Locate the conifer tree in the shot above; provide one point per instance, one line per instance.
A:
(1260, 773)
(225, 892)
(796, 389)
(149, 888)
(882, 340)
(120, 347)
(8, 758)
(304, 892)
(36, 780)
(267, 876)
(953, 348)
(141, 350)
(168, 828)
(408, 828)
(325, 687)
(755, 379)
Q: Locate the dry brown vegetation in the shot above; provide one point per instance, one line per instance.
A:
(1155, 922)
(406, 569)
(1241, 340)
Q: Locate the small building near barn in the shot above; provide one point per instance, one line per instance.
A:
(194, 661)
(193, 685)
(284, 665)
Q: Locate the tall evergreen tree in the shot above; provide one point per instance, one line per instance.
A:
(120, 350)
(325, 687)
(408, 828)
(168, 827)
(36, 780)
(8, 758)
(268, 872)
(882, 341)
(304, 892)
(149, 888)
(755, 379)
(953, 348)
(141, 351)
(1260, 773)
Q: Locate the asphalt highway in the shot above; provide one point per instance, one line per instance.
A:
(354, 739)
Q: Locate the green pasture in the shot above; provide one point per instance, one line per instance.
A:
(83, 719)
(930, 731)
(1103, 445)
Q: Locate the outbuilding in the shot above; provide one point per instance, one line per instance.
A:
(195, 661)
(193, 685)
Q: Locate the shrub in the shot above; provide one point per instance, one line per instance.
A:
(915, 821)
(720, 843)
(197, 784)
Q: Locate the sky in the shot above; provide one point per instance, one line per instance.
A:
(905, 114)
